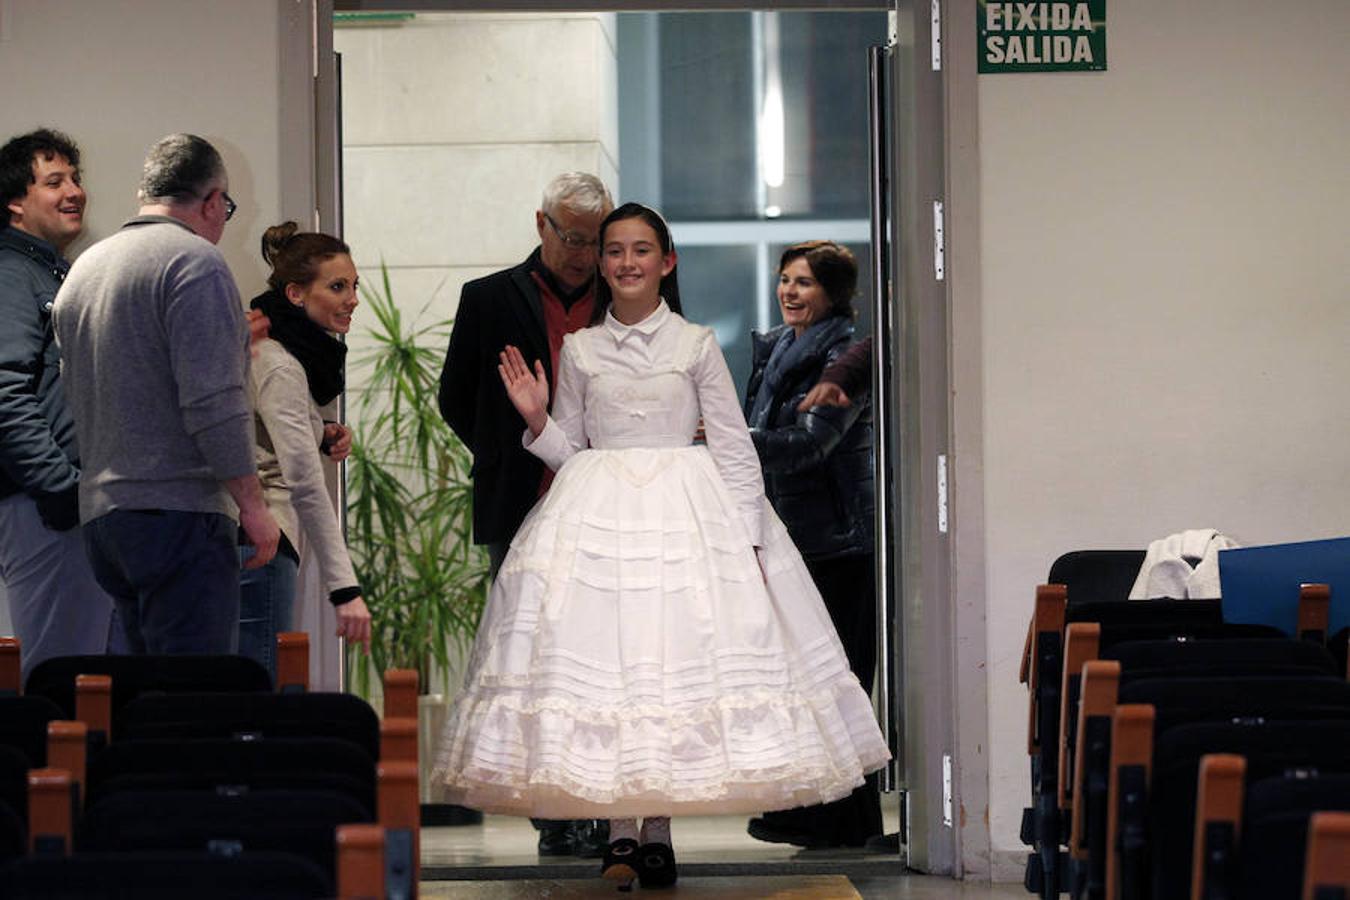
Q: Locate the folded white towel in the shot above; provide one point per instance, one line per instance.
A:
(1182, 565)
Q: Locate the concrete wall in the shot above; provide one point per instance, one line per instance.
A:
(452, 124)
(1162, 292)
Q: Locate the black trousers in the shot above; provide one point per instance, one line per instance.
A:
(848, 586)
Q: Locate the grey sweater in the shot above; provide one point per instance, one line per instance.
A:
(154, 359)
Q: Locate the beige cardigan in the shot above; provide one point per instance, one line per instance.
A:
(289, 430)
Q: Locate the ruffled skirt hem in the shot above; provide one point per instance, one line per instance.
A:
(637, 658)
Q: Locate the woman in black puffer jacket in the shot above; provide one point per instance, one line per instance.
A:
(818, 476)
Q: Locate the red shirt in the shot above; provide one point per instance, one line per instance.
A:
(560, 321)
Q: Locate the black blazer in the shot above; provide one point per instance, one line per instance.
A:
(496, 310)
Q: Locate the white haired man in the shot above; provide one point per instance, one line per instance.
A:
(531, 306)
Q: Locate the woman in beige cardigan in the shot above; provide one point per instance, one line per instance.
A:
(296, 370)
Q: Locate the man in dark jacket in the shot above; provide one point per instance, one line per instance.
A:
(531, 306)
(55, 605)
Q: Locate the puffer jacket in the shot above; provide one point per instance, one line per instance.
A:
(817, 464)
(37, 436)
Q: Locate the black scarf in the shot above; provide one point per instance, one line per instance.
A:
(322, 355)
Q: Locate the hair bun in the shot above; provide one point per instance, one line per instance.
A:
(274, 239)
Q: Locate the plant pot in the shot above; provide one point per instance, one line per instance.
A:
(432, 710)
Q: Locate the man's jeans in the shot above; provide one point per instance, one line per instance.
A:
(266, 601)
(55, 605)
(174, 576)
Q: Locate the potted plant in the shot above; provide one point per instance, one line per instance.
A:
(410, 517)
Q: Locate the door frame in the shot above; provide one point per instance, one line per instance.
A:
(941, 644)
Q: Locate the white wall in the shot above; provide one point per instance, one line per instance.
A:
(1163, 293)
(119, 75)
(453, 124)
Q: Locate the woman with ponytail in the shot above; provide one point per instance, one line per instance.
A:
(299, 368)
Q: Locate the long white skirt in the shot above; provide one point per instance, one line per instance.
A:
(633, 660)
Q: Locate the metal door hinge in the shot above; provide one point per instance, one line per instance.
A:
(936, 34)
(947, 818)
(942, 493)
(939, 242)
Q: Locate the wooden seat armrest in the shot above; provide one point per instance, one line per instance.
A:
(49, 812)
(401, 815)
(11, 677)
(360, 852)
(400, 694)
(93, 705)
(1097, 700)
(1328, 860)
(1131, 749)
(398, 803)
(398, 740)
(1218, 801)
(1081, 641)
(68, 749)
(1314, 612)
(293, 662)
(1048, 619)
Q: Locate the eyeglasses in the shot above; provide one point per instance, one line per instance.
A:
(230, 205)
(571, 238)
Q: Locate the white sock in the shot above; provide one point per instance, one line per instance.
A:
(656, 830)
(623, 828)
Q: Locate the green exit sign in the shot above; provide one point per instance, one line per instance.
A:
(1062, 36)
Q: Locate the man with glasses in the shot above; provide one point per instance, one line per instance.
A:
(154, 356)
(530, 306)
(55, 605)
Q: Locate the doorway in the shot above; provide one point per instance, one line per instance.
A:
(469, 170)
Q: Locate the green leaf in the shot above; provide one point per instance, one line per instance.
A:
(409, 503)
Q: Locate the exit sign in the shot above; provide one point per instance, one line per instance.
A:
(1062, 36)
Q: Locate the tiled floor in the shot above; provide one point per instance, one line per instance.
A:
(497, 861)
(746, 887)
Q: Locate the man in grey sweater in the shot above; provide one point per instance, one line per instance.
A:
(154, 358)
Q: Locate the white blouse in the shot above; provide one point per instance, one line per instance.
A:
(647, 385)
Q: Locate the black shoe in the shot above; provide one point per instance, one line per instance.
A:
(883, 843)
(761, 830)
(656, 866)
(555, 839)
(590, 838)
(621, 863)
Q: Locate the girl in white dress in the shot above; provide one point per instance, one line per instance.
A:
(653, 644)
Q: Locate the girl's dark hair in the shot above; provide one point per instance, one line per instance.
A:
(670, 284)
(834, 266)
(295, 255)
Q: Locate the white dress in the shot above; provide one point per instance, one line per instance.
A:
(633, 660)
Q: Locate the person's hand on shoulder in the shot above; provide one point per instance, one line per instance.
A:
(259, 326)
(827, 393)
